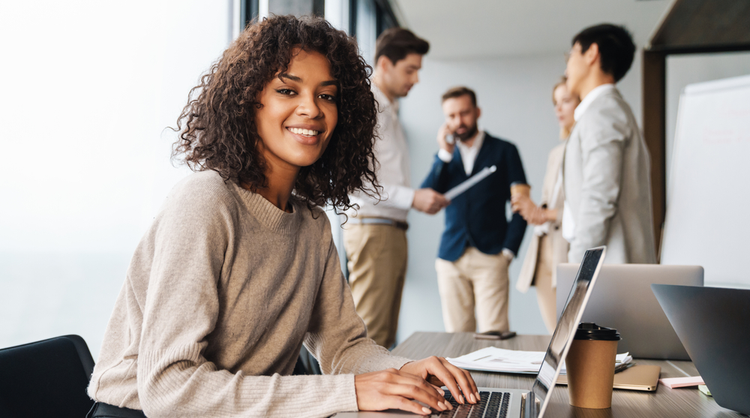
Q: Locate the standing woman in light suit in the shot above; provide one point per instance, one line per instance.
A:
(548, 248)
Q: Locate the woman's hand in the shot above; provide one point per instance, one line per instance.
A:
(523, 205)
(440, 372)
(393, 389)
(530, 212)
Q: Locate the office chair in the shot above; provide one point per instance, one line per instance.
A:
(46, 378)
(307, 364)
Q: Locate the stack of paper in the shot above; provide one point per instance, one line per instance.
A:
(493, 359)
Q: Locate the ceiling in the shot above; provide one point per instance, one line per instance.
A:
(496, 28)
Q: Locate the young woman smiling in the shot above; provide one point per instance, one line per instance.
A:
(239, 269)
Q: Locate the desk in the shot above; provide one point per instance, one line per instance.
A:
(665, 402)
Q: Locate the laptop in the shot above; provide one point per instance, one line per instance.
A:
(623, 300)
(714, 324)
(516, 403)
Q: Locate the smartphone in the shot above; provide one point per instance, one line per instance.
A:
(494, 335)
(450, 139)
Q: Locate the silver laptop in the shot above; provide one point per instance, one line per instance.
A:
(714, 324)
(516, 403)
(623, 300)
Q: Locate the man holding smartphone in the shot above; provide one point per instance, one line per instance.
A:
(478, 243)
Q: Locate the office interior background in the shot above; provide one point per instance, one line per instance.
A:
(92, 86)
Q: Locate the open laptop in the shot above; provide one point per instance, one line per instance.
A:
(714, 325)
(516, 403)
(623, 300)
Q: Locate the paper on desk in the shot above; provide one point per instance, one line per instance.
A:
(494, 359)
(681, 382)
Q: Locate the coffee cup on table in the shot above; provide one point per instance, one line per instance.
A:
(590, 365)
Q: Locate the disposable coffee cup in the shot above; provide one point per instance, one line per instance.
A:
(590, 366)
(518, 189)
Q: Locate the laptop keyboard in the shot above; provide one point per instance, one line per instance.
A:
(492, 405)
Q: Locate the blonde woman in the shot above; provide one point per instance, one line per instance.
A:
(548, 247)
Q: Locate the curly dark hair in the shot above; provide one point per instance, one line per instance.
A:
(220, 133)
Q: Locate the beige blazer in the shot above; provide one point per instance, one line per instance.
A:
(559, 245)
(606, 173)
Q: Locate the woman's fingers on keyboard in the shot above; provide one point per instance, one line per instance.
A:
(390, 388)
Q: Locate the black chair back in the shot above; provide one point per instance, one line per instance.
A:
(46, 378)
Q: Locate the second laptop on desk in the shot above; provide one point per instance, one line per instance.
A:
(623, 300)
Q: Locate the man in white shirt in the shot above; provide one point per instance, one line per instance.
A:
(375, 236)
(606, 170)
(478, 243)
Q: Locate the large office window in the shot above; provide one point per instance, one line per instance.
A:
(364, 19)
(89, 89)
(369, 18)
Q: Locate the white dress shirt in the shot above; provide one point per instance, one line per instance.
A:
(392, 152)
(568, 223)
(468, 153)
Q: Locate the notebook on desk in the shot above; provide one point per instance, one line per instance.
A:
(638, 377)
(516, 403)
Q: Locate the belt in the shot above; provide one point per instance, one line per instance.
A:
(380, 221)
(103, 410)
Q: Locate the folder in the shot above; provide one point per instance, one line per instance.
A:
(643, 378)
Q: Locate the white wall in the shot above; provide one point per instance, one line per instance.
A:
(515, 95)
(90, 88)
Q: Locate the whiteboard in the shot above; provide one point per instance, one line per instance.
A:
(708, 199)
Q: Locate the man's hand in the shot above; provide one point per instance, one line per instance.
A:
(429, 201)
(439, 372)
(393, 389)
(442, 139)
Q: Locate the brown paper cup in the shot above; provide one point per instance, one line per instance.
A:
(517, 189)
(591, 373)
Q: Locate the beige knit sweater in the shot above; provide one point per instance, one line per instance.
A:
(221, 293)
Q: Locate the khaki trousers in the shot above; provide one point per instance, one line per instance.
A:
(377, 257)
(474, 281)
(545, 293)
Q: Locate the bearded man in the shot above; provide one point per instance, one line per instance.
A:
(478, 243)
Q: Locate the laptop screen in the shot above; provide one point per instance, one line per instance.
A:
(567, 325)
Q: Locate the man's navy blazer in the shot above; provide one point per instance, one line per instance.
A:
(477, 216)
